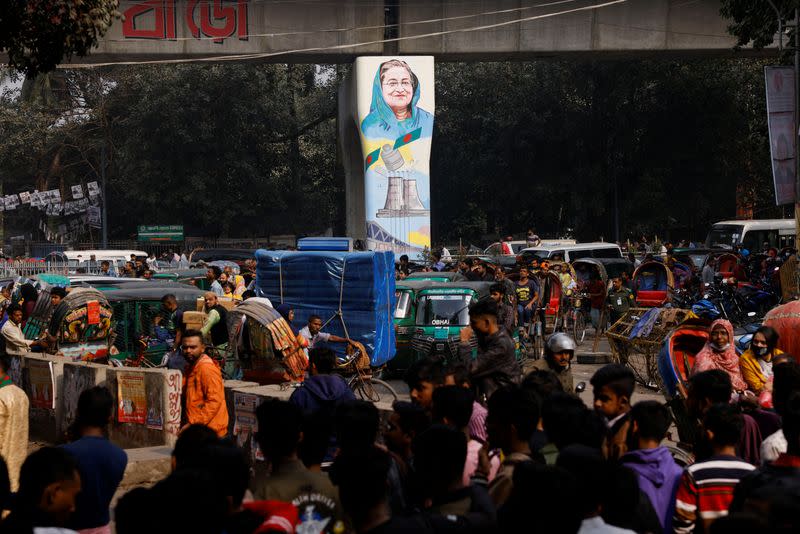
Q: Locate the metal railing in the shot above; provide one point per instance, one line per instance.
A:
(26, 268)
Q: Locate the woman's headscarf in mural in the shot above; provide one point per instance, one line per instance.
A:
(381, 122)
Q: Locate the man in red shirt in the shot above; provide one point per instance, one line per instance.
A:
(597, 299)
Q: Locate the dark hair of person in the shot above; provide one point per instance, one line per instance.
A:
(485, 307)
(169, 297)
(770, 335)
(459, 372)
(404, 257)
(105, 263)
(714, 385)
(13, 307)
(516, 407)
(40, 469)
(786, 380)
(592, 472)
(279, 427)
(361, 479)
(317, 432)
(624, 505)
(95, 408)
(617, 377)
(497, 288)
(568, 421)
(652, 418)
(193, 333)
(726, 422)
(425, 370)
(314, 317)
(791, 423)
(542, 499)
(356, 424)
(5, 363)
(439, 457)
(542, 382)
(28, 292)
(58, 291)
(248, 294)
(216, 270)
(226, 463)
(323, 359)
(453, 403)
(412, 418)
(194, 438)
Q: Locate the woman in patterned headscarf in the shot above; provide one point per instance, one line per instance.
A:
(720, 353)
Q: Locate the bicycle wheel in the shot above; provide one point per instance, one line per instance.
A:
(579, 328)
(371, 389)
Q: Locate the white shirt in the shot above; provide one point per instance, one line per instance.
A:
(596, 525)
(320, 337)
(773, 446)
(262, 300)
(15, 340)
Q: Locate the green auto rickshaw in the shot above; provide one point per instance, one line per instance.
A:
(442, 311)
(193, 277)
(435, 276)
(405, 313)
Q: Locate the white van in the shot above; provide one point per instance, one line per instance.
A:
(573, 252)
(752, 234)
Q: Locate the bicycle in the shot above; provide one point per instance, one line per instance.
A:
(532, 336)
(577, 317)
(362, 382)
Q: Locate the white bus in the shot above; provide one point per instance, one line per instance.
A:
(752, 234)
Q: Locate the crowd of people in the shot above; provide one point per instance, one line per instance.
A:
(482, 446)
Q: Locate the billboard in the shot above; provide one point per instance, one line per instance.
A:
(395, 104)
(782, 131)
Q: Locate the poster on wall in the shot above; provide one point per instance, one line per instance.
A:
(131, 398)
(76, 381)
(395, 102)
(155, 409)
(42, 384)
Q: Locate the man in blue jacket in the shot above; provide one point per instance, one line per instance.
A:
(324, 389)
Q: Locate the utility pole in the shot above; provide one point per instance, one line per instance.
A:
(104, 201)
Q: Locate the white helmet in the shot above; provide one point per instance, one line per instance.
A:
(560, 342)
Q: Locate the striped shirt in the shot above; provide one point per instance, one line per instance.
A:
(705, 491)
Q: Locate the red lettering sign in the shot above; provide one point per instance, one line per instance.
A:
(161, 24)
(156, 19)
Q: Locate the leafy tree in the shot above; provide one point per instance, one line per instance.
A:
(38, 34)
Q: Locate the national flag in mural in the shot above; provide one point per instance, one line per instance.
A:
(372, 157)
(407, 138)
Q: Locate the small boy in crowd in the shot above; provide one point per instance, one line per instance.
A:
(613, 387)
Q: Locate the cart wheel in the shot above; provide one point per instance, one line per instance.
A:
(579, 328)
(372, 389)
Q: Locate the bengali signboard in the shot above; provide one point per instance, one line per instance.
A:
(160, 233)
(782, 131)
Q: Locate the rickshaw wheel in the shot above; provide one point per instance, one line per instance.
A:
(538, 347)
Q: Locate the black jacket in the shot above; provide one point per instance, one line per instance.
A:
(496, 366)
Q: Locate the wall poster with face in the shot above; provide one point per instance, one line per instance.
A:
(395, 105)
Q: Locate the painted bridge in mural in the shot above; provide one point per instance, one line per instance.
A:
(339, 30)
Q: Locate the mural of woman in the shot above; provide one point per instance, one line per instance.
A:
(393, 110)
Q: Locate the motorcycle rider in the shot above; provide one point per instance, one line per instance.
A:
(558, 354)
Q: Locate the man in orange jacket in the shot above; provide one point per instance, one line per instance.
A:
(203, 389)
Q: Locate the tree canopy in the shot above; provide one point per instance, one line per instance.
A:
(250, 149)
(38, 34)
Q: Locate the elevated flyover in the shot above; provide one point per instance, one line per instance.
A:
(336, 31)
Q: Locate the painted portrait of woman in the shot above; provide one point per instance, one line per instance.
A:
(393, 110)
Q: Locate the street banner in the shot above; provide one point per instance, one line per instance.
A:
(782, 131)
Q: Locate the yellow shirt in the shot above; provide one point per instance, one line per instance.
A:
(751, 369)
